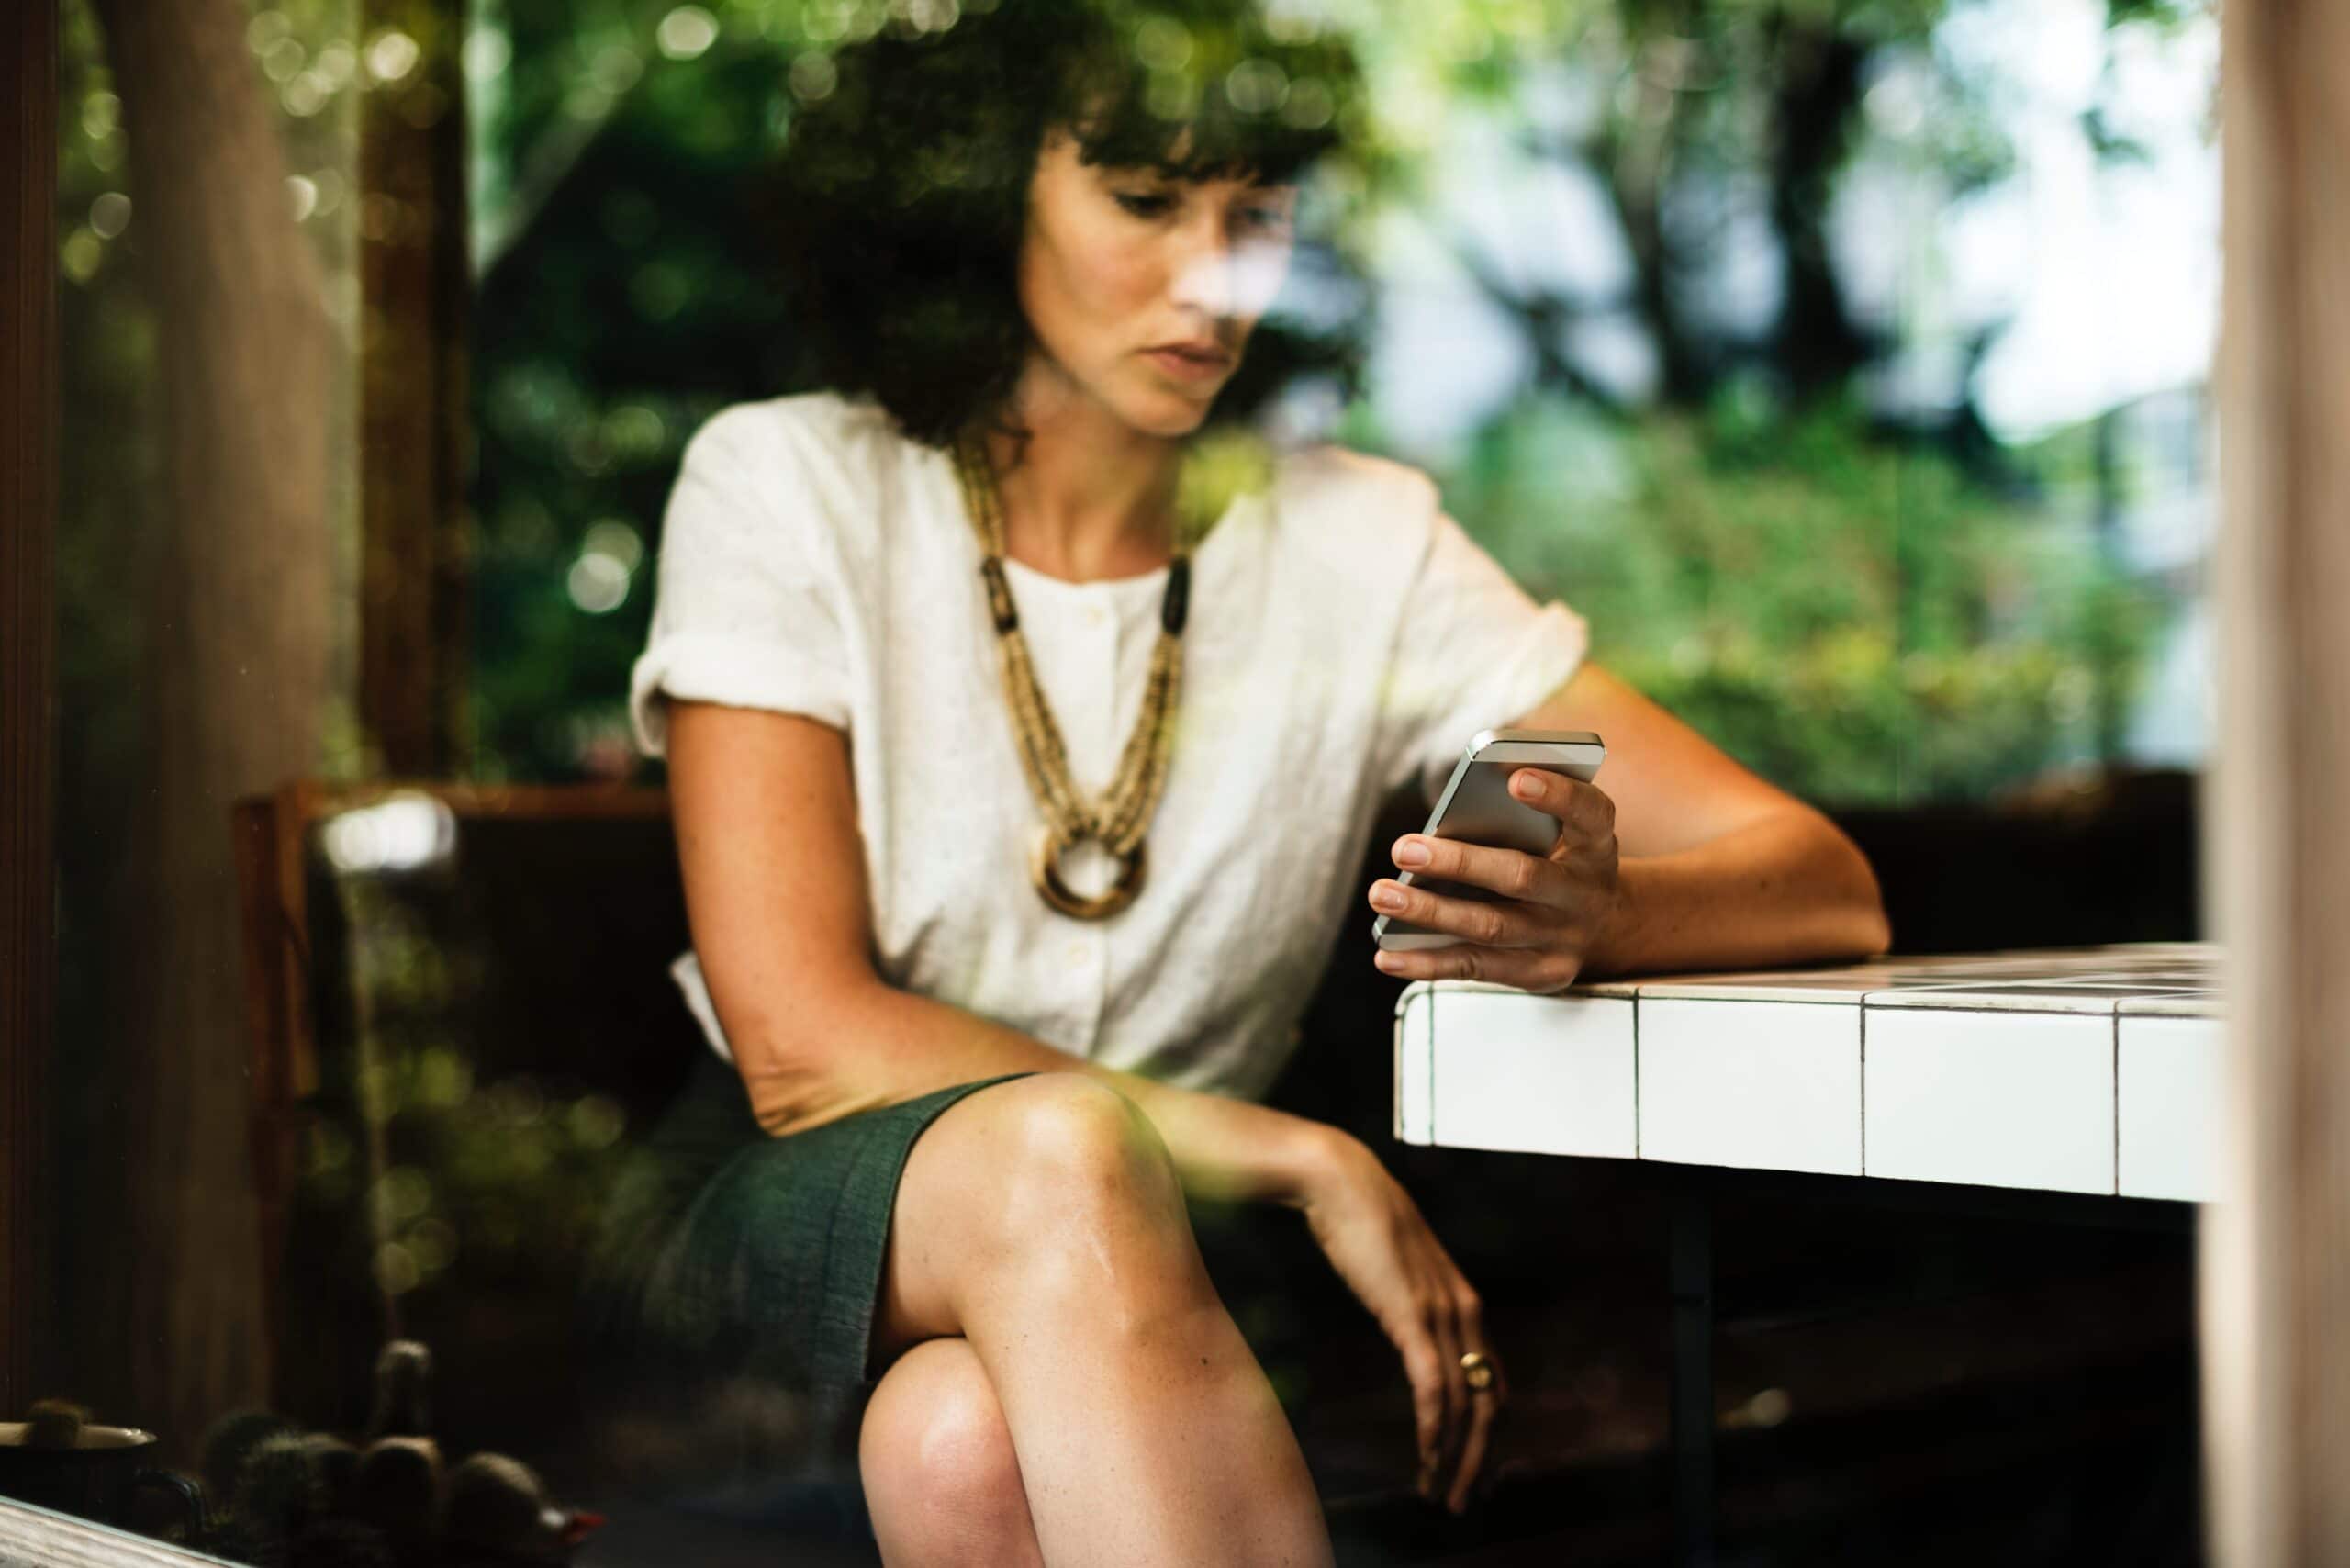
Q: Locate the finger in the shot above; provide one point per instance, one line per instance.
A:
(1511, 873)
(1446, 1333)
(1471, 920)
(1484, 1409)
(1580, 808)
(1529, 968)
(1421, 1366)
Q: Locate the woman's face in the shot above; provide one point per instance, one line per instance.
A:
(1142, 290)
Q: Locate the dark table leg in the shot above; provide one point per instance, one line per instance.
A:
(1692, 1269)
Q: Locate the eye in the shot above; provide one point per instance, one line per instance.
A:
(1267, 216)
(1143, 203)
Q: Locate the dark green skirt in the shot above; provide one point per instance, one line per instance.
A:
(736, 1275)
(730, 1298)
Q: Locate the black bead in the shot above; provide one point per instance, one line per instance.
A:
(1007, 618)
(1177, 605)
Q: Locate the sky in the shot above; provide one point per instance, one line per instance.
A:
(2100, 280)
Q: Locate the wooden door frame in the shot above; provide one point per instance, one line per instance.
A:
(29, 419)
(2274, 1282)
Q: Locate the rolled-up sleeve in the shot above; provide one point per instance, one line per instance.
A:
(1472, 650)
(742, 614)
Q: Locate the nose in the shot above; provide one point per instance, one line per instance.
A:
(1204, 278)
(1224, 277)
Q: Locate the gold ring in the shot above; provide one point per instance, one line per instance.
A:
(1478, 1371)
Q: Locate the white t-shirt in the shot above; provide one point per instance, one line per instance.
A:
(1344, 637)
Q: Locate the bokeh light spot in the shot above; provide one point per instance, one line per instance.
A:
(598, 584)
(433, 1245)
(617, 68)
(283, 59)
(265, 28)
(396, 1272)
(305, 94)
(1162, 43)
(1256, 86)
(1171, 96)
(80, 255)
(336, 65)
(1291, 22)
(391, 54)
(595, 1121)
(611, 536)
(659, 290)
(1308, 106)
(110, 215)
(813, 76)
(686, 32)
(634, 432)
(519, 1102)
(403, 833)
(487, 54)
(101, 116)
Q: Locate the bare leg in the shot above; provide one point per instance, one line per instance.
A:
(1041, 1221)
(941, 1479)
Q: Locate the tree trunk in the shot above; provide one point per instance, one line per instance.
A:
(237, 618)
(1818, 90)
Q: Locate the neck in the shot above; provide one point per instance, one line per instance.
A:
(1086, 496)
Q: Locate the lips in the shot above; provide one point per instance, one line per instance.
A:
(1191, 362)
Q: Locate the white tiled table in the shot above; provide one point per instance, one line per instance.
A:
(2085, 1071)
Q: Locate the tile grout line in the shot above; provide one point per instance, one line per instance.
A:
(1397, 1037)
(1636, 1075)
(1431, 1093)
(2117, 1099)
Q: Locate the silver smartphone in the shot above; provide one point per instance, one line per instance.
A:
(1477, 808)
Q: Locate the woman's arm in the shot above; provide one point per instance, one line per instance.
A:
(1675, 858)
(1719, 867)
(765, 814)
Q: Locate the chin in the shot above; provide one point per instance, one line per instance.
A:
(1167, 413)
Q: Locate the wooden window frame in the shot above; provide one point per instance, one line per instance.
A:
(29, 419)
(2278, 1425)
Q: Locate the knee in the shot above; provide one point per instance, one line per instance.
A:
(1082, 1197)
(941, 1479)
(1072, 1141)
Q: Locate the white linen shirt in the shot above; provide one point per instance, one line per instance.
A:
(1344, 636)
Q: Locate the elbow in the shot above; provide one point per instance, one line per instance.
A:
(1866, 929)
(1872, 930)
(794, 1064)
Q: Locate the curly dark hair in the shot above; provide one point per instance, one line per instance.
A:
(900, 199)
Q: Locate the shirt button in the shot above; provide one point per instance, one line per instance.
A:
(1075, 954)
(1093, 616)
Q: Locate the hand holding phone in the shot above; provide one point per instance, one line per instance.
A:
(1477, 807)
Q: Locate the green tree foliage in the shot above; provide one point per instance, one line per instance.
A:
(1862, 614)
(1856, 619)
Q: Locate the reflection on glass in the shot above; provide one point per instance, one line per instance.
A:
(1845, 367)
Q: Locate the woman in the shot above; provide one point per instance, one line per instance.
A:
(1017, 795)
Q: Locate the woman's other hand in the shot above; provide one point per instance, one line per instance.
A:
(1376, 1240)
(1552, 909)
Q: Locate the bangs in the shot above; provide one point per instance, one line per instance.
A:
(1202, 92)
